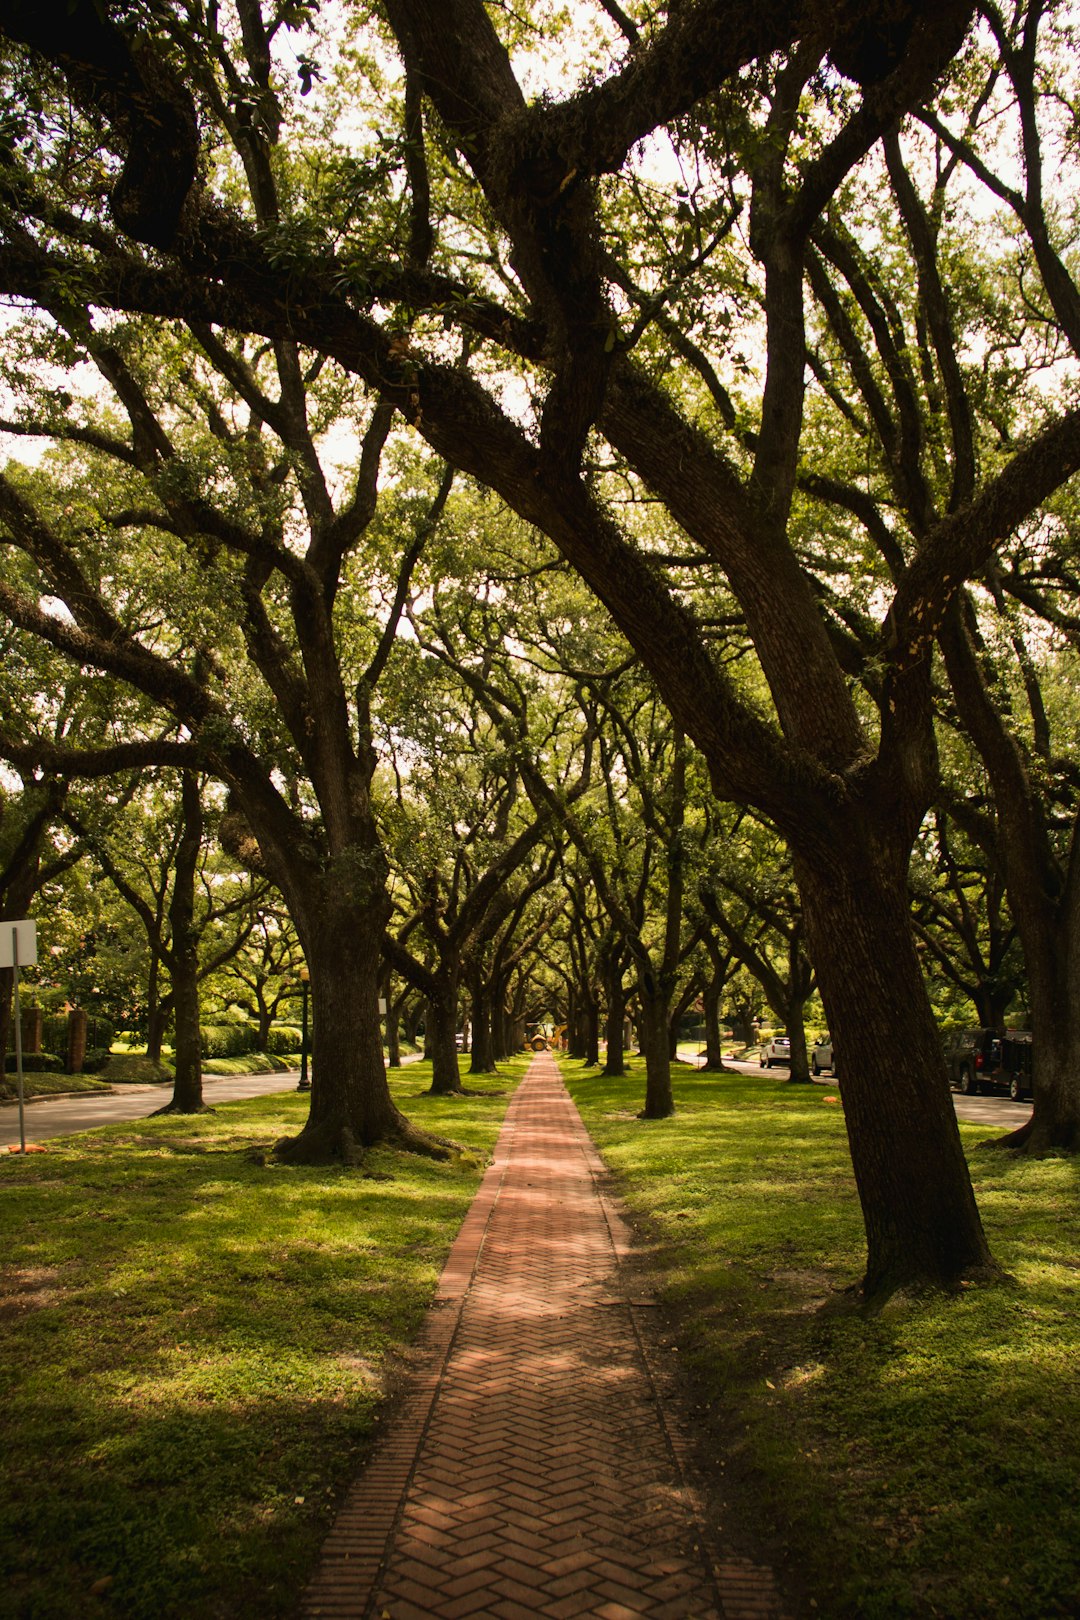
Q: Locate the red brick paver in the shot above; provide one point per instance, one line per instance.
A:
(533, 1469)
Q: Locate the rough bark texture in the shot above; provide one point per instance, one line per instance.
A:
(612, 965)
(922, 1225)
(442, 1037)
(795, 1026)
(481, 1043)
(659, 1098)
(714, 1050)
(1044, 894)
(351, 1106)
(591, 1020)
(187, 1097)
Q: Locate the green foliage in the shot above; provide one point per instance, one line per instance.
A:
(249, 1063)
(917, 1462)
(284, 1038)
(226, 1040)
(36, 1063)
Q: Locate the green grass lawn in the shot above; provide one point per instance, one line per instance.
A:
(49, 1085)
(196, 1342)
(924, 1461)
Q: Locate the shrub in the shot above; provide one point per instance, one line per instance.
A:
(36, 1063)
(95, 1059)
(226, 1040)
(283, 1038)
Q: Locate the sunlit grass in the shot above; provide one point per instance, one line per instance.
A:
(196, 1343)
(920, 1462)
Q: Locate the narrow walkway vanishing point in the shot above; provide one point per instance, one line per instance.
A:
(533, 1468)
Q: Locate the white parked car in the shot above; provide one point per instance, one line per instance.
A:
(821, 1057)
(776, 1050)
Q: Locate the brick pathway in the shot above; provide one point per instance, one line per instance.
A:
(533, 1469)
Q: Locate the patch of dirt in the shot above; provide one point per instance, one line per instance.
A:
(24, 1289)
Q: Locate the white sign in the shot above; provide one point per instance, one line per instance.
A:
(18, 944)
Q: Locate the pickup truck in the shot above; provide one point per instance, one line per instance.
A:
(991, 1059)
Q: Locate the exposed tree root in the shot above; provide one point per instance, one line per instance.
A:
(180, 1108)
(464, 1091)
(332, 1142)
(413, 1140)
(1030, 1141)
(887, 1293)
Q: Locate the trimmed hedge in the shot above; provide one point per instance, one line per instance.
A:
(227, 1040)
(36, 1063)
(283, 1038)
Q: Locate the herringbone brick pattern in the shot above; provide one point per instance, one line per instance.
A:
(531, 1471)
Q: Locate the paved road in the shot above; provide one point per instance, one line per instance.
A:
(995, 1111)
(63, 1116)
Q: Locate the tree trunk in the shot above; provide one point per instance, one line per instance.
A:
(442, 1037)
(922, 1224)
(1049, 928)
(710, 1001)
(183, 958)
(991, 1005)
(266, 1019)
(615, 1017)
(1054, 1125)
(156, 1013)
(591, 1020)
(412, 1012)
(482, 1055)
(1043, 883)
(351, 1105)
(653, 1028)
(187, 1097)
(393, 1037)
(574, 1045)
(391, 1021)
(795, 1026)
(678, 1011)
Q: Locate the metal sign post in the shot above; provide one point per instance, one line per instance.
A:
(18, 948)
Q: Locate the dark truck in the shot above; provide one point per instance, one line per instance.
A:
(991, 1060)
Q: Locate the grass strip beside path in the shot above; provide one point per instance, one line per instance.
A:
(48, 1085)
(920, 1462)
(197, 1342)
